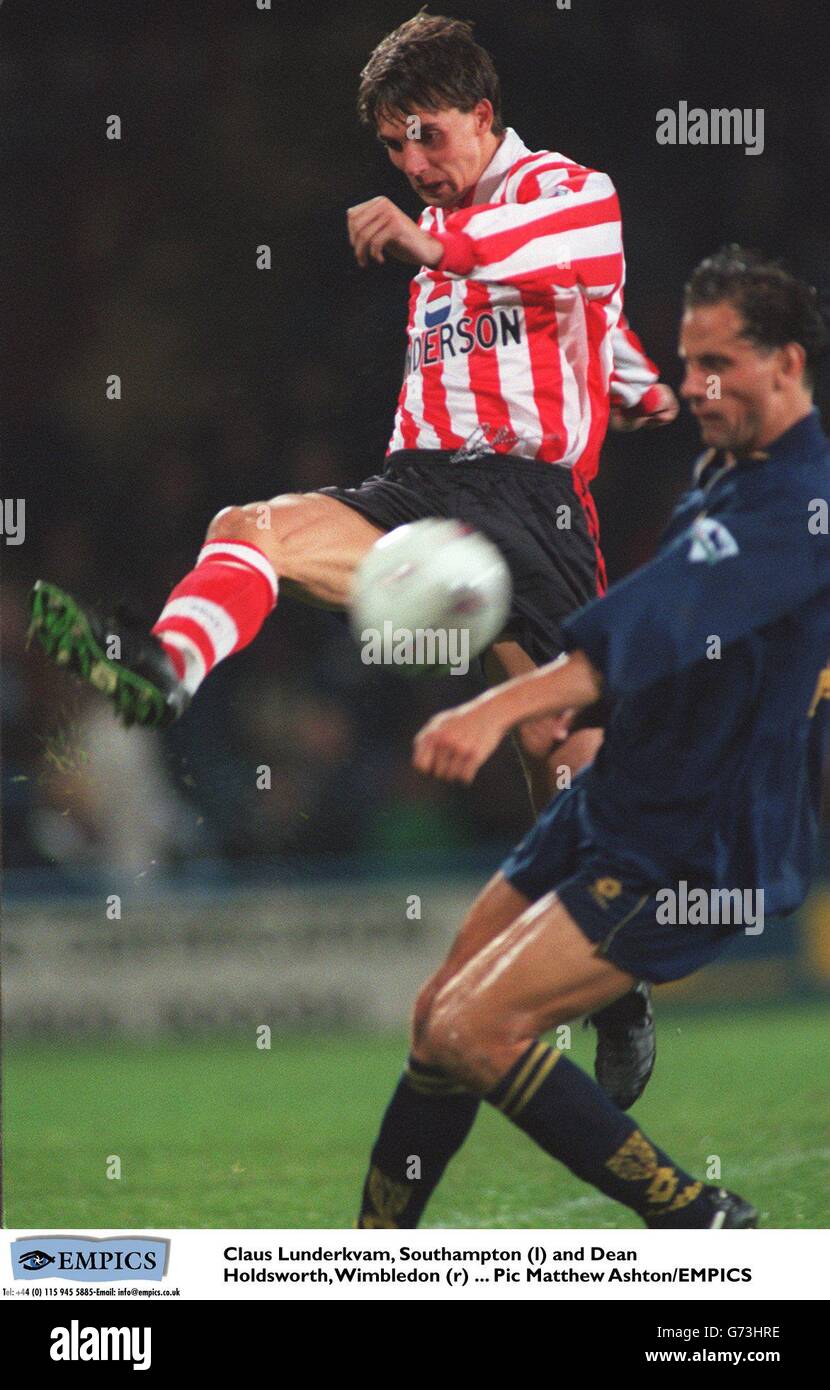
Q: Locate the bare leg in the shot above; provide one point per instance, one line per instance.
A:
(539, 972)
(496, 907)
(548, 764)
(484, 1029)
(313, 542)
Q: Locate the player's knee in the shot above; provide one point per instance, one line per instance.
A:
(437, 1044)
(452, 1037)
(232, 524)
(266, 524)
(420, 1014)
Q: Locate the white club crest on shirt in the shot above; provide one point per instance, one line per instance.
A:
(711, 541)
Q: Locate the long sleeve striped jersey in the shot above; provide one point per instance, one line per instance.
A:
(517, 342)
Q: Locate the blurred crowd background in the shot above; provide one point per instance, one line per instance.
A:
(138, 257)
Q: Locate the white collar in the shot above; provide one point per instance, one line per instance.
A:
(511, 148)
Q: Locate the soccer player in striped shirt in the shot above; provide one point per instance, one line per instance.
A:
(517, 353)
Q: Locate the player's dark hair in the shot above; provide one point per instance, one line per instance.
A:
(776, 307)
(431, 63)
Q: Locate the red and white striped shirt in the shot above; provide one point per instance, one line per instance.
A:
(517, 342)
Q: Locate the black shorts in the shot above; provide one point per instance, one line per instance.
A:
(529, 509)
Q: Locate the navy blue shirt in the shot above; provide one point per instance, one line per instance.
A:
(717, 657)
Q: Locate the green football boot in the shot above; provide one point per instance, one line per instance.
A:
(117, 655)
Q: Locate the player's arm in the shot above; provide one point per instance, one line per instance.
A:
(726, 576)
(639, 400)
(569, 235)
(378, 229)
(454, 744)
(719, 579)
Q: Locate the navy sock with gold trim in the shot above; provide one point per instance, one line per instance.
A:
(571, 1118)
(426, 1122)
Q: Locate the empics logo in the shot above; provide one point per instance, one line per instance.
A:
(36, 1260)
(110, 1260)
(76, 1343)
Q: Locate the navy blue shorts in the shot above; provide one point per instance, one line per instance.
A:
(611, 903)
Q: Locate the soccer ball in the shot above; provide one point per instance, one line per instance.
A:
(430, 595)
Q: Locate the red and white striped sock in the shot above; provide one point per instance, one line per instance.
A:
(217, 609)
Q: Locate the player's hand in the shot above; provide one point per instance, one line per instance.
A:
(378, 229)
(455, 743)
(659, 406)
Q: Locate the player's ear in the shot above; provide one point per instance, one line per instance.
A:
(483, 112)
(793, 359)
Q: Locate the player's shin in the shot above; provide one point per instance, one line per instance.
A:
(216, 609)
(426, 1122)
(569, 1116)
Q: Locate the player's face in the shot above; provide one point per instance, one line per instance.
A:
(730, 384)
(441, 153)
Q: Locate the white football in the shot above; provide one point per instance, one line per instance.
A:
(431, 594)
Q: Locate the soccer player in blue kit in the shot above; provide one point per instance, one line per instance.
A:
(716, 659)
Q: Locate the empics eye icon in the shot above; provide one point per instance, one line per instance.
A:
(36, 1259)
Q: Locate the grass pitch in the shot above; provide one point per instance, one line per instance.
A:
(220, 1134)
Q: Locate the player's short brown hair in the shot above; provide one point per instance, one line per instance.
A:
(431, 63)
(776, 307)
